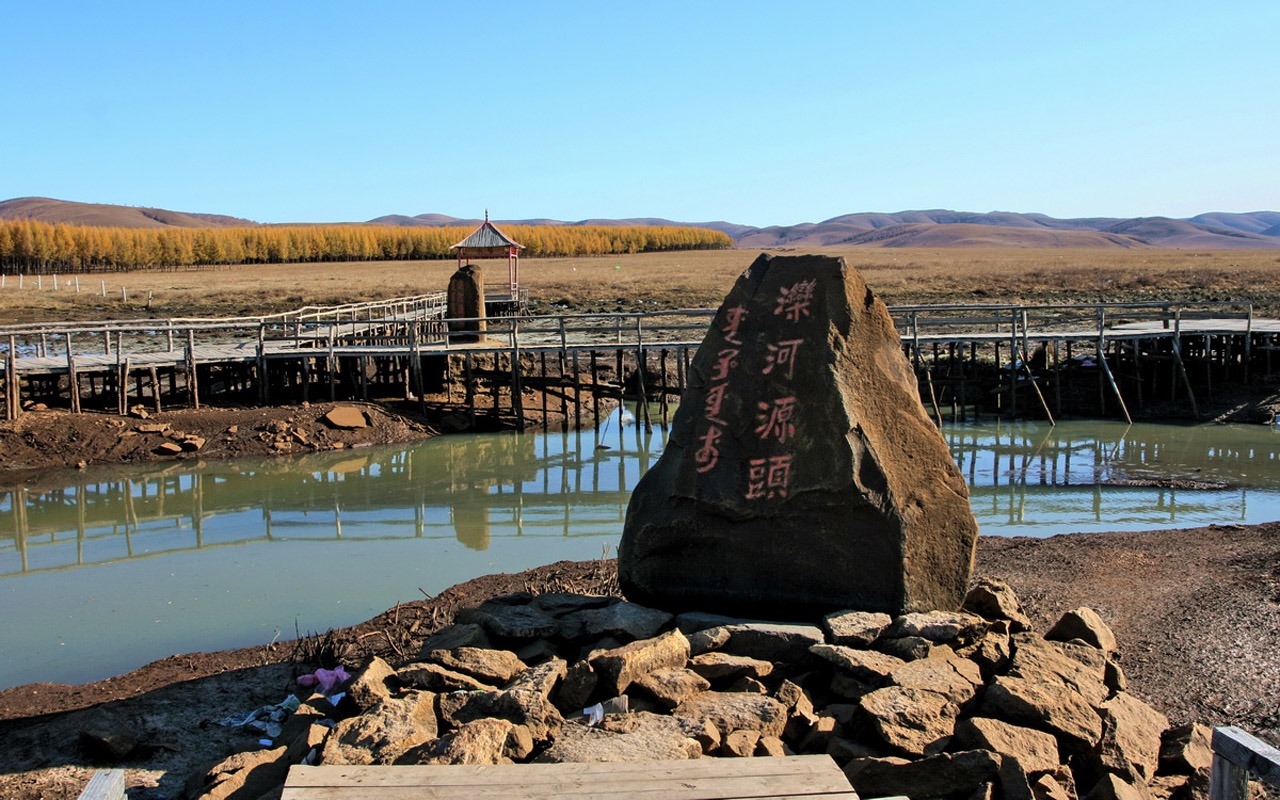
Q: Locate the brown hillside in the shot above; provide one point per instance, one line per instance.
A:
(971, 235)
(45, 209)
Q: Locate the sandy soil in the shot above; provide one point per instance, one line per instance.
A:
(1196, 612)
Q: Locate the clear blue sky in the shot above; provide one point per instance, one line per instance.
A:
(759, 113)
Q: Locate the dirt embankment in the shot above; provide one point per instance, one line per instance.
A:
(1195, 612)
(43, 441)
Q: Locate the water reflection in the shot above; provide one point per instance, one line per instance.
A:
(470, 489)
(1025, 479)
(1031, 479)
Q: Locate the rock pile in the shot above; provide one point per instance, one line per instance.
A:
(967, 704)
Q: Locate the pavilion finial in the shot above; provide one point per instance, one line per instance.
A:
(486, 215)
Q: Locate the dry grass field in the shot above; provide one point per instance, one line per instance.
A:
(666, 280)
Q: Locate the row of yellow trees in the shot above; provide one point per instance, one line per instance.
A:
(35, 247)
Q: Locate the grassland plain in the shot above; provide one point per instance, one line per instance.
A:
(651, 281)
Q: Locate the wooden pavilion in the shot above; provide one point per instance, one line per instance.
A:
(489, 242)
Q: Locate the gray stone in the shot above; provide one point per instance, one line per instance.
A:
(708, 640)
(460, 635)
(543, 678)
(734, 711)
(855, 628)
(957, 679)
(1078, 667)
(618, 667)
(759, 504)
(385, 732)
(347, 418)
(671, 687)
(907, 648)
(439, 679)
(694, 621)
(945, 775)
(578, 743)
(518, 706)
(579, 683)
(1112, 787)
(1186, 748)
(992, 653)
(1046, 787)
(1131, 735)
(1046, 706)
(1114, 678)
(740, 744)
(625, 621)
(993, 599)
(511, 622)
(368, 686)
(865, 665)
(824, 728)
(915, 721)
(481, 741)
(779, 642)
(560, 603)
(716, 666)
(1084, 624)
(1035, 750)
(938, 627)
(490, 666)
(248, 774)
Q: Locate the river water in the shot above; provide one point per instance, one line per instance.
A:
(122, 566)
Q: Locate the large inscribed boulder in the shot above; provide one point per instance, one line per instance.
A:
(802, 474)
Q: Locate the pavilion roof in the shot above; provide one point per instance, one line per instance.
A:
(487, 235)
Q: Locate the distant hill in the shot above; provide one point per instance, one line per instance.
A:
(45, 209)
(925, 228)
(943, 228)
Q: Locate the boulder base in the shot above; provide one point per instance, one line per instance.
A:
(802, 474)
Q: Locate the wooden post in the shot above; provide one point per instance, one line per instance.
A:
(517, 384)
(193, 381)
(1237, 755)
(155, 388)
(542, 357)
(415, 367)
(662, 398)
(332, 364)
(595, 389)
(577, 393)
(72, 377)
(13, 383)
(122, 388)
(471, 391)
(1182, 370)
(1106, 369)
(928, 374)
(264, 395)
(1031, 377)
(122, 383)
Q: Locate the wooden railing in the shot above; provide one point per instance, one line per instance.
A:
(1237, 756)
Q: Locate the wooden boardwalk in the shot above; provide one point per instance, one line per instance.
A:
(698, 779)
(338, 351)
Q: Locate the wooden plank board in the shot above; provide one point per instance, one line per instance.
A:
(106, 784)
(795, 776)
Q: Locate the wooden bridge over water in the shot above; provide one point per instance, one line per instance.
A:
(1105, 359)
